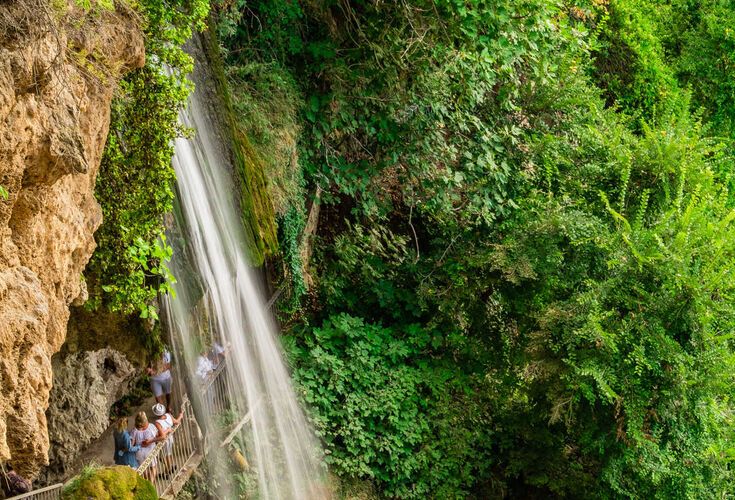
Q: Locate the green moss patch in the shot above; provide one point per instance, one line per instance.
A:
(114, 483)
(258, 216)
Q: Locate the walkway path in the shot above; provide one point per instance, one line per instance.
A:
(185, 448)
(102, 450)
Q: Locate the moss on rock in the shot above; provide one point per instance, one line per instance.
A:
(109, 483)
(257, 212)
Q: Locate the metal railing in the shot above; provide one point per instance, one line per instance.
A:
(172, 460)
(216, 390)
(48, 493)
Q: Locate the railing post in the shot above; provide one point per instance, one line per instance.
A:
(181, 452)
(47, 493)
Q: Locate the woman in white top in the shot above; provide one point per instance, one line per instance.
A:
(165, 422)
(144, 435)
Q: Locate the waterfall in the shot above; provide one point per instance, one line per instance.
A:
(218, 297)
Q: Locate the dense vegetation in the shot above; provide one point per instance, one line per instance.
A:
(521, 282)
(135, 183)
(522, 276)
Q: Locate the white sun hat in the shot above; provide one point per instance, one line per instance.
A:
(158, 409)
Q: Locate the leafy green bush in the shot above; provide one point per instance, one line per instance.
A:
(699, 42)
(387, 411)
(135, 183)
(629, 58)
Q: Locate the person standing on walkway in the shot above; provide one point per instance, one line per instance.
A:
(124, 448)
(203, 372)
(165, 422)
(160, 373)
(144, 435)
(217, 353)
(204, 366)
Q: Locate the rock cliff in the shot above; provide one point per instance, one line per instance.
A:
(85, 385)
(58, 68)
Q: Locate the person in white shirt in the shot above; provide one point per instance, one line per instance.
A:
(160, 373)
(204, 371)
(144, 437)
(204, 367)
(217, 354)
(165, 423)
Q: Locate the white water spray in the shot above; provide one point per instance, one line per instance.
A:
(218, 296)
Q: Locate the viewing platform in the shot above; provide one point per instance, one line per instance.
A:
(186, 445)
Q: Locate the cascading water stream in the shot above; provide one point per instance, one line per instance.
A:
(217, 296)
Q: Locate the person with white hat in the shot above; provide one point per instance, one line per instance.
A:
(165, 423)
(217, 353)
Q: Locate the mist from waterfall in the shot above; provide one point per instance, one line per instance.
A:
(218, 297)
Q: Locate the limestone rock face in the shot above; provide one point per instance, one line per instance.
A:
(58, 69)
(93, 330)
(85, 385)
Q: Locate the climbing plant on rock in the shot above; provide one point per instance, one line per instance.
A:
(135, 183)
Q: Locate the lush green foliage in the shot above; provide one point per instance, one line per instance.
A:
(290, 228)
(699, 41)
(648, 51)
(257, 213)
(526, 245)
(135, 183)
(387, 412)
(265, 104)
(629, 60)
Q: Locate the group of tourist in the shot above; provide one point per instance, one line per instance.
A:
(133, 446)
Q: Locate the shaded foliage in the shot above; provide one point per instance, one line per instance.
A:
(524, 264)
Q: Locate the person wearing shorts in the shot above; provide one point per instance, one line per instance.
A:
(165, 423)
(160, 373)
